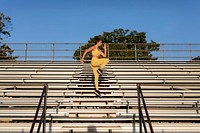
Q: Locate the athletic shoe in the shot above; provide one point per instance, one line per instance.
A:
(97, 92)
(100, 71)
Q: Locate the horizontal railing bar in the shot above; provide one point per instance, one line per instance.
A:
(53, 51)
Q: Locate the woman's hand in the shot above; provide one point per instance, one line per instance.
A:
(104, 47)
(82, 61)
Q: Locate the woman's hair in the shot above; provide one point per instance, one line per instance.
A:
(97, 39)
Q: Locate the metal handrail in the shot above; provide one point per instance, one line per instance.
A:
(141, 117)
(64, 51)
(43, 116)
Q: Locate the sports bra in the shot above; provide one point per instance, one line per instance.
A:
(96, 53)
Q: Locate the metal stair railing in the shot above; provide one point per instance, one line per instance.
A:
(43, 116)
(141, 117)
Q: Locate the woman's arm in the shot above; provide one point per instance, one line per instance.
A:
(104, 47)
(84, 54)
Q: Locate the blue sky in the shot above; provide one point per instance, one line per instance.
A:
(167, 21)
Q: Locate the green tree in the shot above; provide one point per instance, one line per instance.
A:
(6, 53)
(123, 44)
(5, 28)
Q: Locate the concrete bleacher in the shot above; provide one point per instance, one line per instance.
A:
(171, 91)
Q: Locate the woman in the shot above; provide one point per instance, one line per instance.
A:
(97, 63)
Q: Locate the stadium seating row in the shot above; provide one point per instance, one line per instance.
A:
(171, 92)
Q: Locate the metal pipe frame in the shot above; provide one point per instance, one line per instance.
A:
(64, 51)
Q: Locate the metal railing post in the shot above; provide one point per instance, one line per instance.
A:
(127, 106)
(163, 51)
(146, 111)
(139, 107)
(141, 117)
(40, 122)
(37, 111)
(25, 52)
(190, 51)
(80, 51)
(134, 129)
(135, 52)
(43, 116)
(45, 108)
(108, 50)
(53, 50)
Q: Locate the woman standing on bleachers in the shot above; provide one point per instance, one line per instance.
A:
(97, 63)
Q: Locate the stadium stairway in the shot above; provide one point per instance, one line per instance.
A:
(171, 91)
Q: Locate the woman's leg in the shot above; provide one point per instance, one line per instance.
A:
(95, 63)
(103, 62)
(96, 77)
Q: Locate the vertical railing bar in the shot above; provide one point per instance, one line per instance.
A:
(127, 107)
(139, 112)
(25, 52)
(190, 51)
(108, 50)
(45, 108)
(163, 52)
(135, 51)
(40, 123)
(53, 52)
(134, 129)
(37, 111)
(143, 121)
(80, 51)
(141, 117)
(197, 107)
(146, 111)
